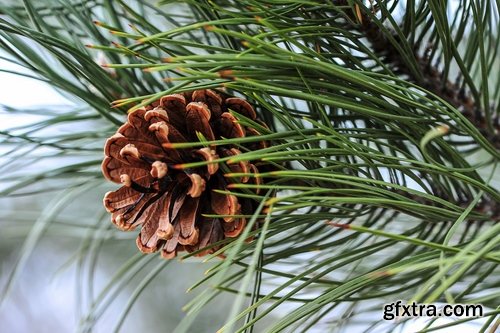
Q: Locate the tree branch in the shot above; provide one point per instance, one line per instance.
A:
(432, 78)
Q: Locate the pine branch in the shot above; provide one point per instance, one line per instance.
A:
(432, 79)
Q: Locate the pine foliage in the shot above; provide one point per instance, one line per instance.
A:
(384, 123)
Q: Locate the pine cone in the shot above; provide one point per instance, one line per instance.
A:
(165, 198)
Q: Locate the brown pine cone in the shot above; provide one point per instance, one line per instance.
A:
(164, 197)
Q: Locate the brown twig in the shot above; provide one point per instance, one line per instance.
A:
(432, 77)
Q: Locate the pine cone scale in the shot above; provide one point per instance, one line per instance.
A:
(147, 240)
(197, 118)
(187, 216)
(229, 127)
(175, 105)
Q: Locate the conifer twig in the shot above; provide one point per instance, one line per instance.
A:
(431, 81)
(432, 78)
